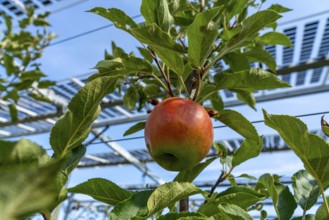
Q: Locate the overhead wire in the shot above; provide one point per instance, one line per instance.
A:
(139, 15)
(215, 127)
(86, 33)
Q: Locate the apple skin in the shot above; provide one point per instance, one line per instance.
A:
(178, 133)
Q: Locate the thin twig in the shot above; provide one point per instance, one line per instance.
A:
(220, 179)
(155, 58)
(200, 77)
(183, 205)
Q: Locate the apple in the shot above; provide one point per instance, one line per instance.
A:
(178, 133)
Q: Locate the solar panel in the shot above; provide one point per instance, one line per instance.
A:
(324, 46)
(308, 40)
(288, 52)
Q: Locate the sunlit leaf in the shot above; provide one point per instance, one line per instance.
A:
(202, 34)
(190, 174)
(169, 193)
(74, 126)
(274, 38)
(135, 128)
(311, 149)
(102, 190)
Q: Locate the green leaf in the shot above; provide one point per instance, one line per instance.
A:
(246, 176)
(321, 213)
(149, 11)
(239, 196)
(286, 202)
(202, 34)
(237, 61)
(172, 60)
(238, 123)
(164, 18)
(183, 216)
(130, 98)
(250, 28)
(74, 159)
(13, 95)
(25, 190)
(117, 52)
(122, 66)
(8, 22)
(246, 97)
(263, 215)
(221, 149)
(274, 38)
(32, 75)
(217, 101)
(165, 47)
(248, 149)
(131, 207)
(151, 89)
(40, 97)
(311, 149)
(21, 152)
(228, 34)
(267, 181)
(234, 8)
(306, 189)
(283, 200)
(190, 174)
(168, 193)
(262, 56)
(146, 54)
(279, 8)
(256, 79)
(107, 65)
(118, 17)
(45, 84)
(74, 126)
(233, 212)
(205, 90)
(156, 38)
(135, 128)
(324, 126)
(102, 190)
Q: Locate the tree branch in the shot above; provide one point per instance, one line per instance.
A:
(183, 205)
(220, 179)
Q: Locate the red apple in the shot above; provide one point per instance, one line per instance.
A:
(178, 133)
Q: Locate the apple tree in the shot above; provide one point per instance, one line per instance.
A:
(189, 51)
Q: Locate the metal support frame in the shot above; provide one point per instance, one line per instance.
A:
(127, 155)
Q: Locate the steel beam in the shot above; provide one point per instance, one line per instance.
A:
(126, 155)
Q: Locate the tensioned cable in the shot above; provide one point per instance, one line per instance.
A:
(87, 32)
(215, 127)
(137, 16)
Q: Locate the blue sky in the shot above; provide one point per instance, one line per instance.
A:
(78, 56)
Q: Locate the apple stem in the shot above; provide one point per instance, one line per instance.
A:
(183, 205)
(220, 179)
(155, 58)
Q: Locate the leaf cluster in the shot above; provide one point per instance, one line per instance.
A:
(21, 46)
